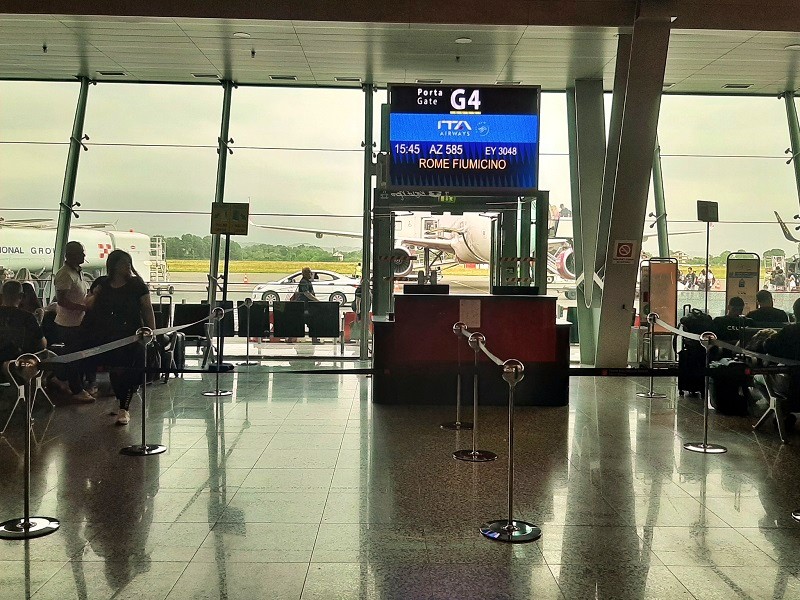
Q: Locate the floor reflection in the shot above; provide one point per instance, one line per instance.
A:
(297, 486)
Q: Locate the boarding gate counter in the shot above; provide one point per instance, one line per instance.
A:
(416, 353)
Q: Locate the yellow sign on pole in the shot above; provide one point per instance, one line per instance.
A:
(230, 218)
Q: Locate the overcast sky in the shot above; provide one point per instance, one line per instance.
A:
(726, 149)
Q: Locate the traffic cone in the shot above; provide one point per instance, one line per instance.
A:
(246, 280)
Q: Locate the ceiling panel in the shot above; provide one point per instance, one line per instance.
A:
(171, 49)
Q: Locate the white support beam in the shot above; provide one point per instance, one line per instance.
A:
(633, 169)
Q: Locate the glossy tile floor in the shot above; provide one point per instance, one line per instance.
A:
(302, 488)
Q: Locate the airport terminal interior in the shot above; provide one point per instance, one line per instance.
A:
(492, 391)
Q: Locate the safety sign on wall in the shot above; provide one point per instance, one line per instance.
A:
(230, 218)
(624, 252)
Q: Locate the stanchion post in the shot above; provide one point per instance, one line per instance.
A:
(458, 329)
(145, 335)
(218, 313)
(248, 304)
(510, 530)
(28, 367)
(475, 455)
(651, 325)
(704, 447)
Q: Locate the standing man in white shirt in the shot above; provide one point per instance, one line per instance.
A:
(71, 292)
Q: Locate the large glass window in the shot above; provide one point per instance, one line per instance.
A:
(729, 150)
(298, 161)
(35, 126)
(149, 177)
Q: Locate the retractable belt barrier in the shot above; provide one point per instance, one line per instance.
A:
(501, 530)
(733, 348)
(82, 354)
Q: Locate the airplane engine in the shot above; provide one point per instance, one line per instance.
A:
(402, 262)
(565, 263)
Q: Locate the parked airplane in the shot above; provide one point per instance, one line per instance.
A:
(467, 237)
(26, 249)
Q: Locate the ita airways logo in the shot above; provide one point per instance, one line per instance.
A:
(104, 250)
(482, 128)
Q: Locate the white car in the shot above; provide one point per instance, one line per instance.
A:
(328, 286)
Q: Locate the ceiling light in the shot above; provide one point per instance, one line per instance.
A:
(347, 79)
(112, 73)
(429, 81)
(283, 77)
(243, 35)
(792, 47)
(205, 75)
(737, 86)
(508, 82)
(463, 40)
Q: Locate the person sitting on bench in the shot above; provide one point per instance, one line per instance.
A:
(766, 314)
(20, 333)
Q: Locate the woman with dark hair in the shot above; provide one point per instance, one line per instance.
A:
(30, 301)
(119, 306)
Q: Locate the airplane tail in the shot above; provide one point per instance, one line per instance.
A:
(786, 233)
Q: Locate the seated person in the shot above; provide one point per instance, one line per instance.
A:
(766, 314)
(19, 331)
(729, 328)
(786, 342)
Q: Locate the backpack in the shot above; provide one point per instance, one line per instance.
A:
(697, 321)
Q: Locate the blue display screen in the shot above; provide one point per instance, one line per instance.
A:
(464, 150)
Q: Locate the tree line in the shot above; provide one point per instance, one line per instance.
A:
(190, 246)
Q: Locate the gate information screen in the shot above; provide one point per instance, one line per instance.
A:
(482, 140)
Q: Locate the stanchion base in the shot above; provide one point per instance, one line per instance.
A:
(218, 393)
(37, 527)
(247, 364)
(456, 425)
(476, 456)
(651, 396)
(514, 532)
(146, 450)
(796, 515)
(705, 448)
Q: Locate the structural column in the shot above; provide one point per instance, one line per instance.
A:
(648, 57)
(794, 136)
(219, 194)
(70, 177)
(612, 152)
(587, 148)
(661, 204)
(366, 246)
